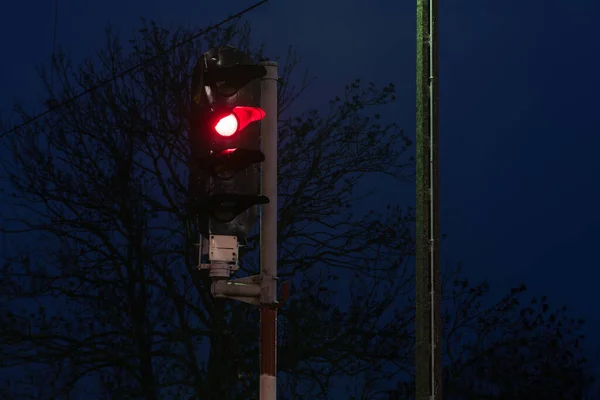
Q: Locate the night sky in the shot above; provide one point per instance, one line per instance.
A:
(518, 108)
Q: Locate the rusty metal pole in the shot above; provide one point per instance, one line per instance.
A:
(428, 358)
(268, 236)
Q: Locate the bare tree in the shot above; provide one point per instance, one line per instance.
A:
(508, 350)
(101, 185)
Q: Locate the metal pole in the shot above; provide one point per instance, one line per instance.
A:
(428, 288)
(268, 236)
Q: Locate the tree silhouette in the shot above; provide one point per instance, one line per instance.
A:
(101, 297)
(514, 351)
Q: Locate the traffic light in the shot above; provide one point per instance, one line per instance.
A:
(225, 140)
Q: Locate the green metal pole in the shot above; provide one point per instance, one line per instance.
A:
(428, 288)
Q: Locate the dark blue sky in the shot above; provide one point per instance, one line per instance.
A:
(519, 112)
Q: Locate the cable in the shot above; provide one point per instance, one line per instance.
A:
(131, 69)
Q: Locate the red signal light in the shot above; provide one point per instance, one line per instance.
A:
(238, 119)
(227, 126)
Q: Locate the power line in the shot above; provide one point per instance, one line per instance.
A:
(131, 69)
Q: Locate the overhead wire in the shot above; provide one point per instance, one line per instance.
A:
(133, 68)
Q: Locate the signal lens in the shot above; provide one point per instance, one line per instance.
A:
(238, 119)
(227, 126)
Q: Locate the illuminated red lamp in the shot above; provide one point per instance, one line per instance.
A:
(238, 119)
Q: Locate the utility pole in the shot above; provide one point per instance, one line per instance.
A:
(268, 236)
(428, 286)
